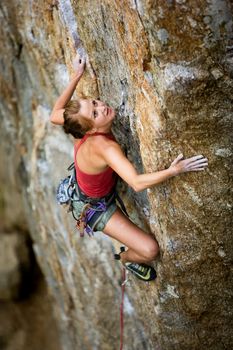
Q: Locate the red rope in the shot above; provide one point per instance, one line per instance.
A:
(122, 307)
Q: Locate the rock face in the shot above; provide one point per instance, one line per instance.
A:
(26, 322)
(167, 67)
(14, 265)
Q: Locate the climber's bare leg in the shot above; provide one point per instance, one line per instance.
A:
(143, 248)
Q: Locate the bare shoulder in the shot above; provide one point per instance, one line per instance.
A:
(110, 152)
(103, 144)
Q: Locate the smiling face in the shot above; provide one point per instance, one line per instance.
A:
(98, 112)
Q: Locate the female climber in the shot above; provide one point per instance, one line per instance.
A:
(98, 161)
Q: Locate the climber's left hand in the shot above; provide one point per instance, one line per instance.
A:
(181, 165)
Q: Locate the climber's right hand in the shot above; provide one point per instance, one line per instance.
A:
(181, 165)
(79, 65)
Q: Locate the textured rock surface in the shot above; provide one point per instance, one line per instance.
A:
(15, 265)
(28, 323)
(167, 66)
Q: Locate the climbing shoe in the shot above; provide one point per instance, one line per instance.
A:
(142, 271)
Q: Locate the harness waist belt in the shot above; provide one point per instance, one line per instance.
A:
(84, 198)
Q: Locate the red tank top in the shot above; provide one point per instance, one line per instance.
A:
(95, 185)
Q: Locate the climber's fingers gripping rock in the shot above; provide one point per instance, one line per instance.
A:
(196, 163)
(79, 65)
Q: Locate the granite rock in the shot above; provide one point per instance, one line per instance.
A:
(166, 66)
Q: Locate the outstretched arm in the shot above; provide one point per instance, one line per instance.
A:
(56, 116)
(115, 158)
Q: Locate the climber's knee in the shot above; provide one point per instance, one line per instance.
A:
(151, 250)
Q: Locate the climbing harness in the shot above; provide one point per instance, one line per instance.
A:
(68, 192)
(92, 211)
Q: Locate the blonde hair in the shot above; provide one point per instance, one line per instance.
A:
(75, 124)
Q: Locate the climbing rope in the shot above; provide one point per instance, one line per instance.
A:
(124, 280)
